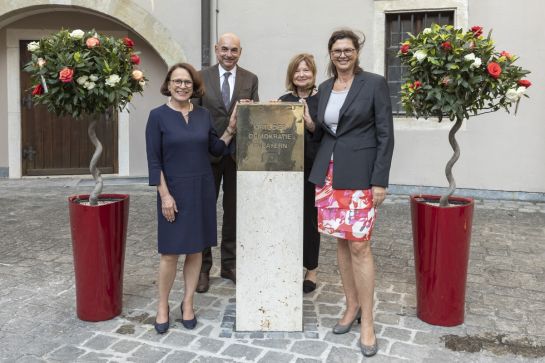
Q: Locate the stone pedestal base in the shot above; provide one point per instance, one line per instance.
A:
(269, 251)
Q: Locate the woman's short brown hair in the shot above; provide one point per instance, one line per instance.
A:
(357, 42)
(198, 85)
(292, 68)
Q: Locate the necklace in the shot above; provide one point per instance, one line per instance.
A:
(184, 114)
(344, 84)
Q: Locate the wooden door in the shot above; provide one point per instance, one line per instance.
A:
(54, 145)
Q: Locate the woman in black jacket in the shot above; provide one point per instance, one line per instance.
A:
(351, 170)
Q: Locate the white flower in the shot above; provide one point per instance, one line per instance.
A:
(521, 91)
(82, 80)
(142, 83)
(41, 62)
(77, 34)
(476, 63)
(112, 80)
(90, 85)
(420, 55)
(426, 31)
(469, 57)
(512, 95)
(93, 77)
(33, 46)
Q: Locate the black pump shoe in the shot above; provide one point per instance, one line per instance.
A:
(163, 327)
(308, 286)
(188, 324)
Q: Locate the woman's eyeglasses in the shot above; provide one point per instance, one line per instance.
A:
(182, 82)
(349, 52)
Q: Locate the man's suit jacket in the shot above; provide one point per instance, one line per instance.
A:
(363, 145)
(246, 85)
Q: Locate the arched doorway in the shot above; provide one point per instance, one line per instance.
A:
(23, 24)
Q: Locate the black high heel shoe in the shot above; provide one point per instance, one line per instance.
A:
(308, 286)
(188, 324)
(342, 329)
(163, 327)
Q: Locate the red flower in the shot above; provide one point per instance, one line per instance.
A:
(505, 54)
(92, 42)
(66, 74)
(135, 59)
(477, 30)
(417, 84)
(494, 69)
(524, 83)
(38, 90)
(446, 46)
(404, 48)
(128, 42)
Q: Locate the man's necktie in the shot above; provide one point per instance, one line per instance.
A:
(226, 90)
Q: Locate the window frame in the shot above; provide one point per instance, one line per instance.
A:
(381, 8)
(418, 19)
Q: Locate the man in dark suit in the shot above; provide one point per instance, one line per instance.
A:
(225, 84)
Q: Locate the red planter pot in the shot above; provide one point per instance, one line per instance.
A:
(441, 238)
(98, 242)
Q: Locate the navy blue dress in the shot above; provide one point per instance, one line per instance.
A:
(181, 151)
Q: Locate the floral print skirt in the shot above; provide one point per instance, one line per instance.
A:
(344, 213)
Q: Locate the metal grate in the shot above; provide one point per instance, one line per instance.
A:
(397, 27)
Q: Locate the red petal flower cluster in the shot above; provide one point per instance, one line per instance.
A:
(128, 42)
(92, 42)
(404, 48)
(506, 54)
(477, 30)
(38, 90)
(446, 46)
(66, 74)
(135, 59)
(494, 69)
(415, 85)
(524, 83)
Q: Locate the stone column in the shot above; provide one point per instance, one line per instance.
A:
(270, 147)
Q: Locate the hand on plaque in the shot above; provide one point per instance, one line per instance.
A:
(309, 123)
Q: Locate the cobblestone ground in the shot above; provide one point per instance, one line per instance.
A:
(505, 308)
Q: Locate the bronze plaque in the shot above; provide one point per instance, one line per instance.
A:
(270, 137)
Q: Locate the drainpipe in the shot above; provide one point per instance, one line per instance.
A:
(205, 32)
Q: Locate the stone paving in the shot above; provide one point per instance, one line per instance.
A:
(505, 308)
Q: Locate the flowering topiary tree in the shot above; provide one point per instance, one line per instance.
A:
(84, 73)
(457, 74)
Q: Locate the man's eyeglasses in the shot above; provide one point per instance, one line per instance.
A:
(349, 52)
(182, 82)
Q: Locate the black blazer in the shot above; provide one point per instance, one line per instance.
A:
(246, 87)
(311, 145)
(363, 145)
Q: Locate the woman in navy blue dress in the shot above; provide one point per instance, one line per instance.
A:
(179, 138)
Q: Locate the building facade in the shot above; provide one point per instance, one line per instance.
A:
(500, 151)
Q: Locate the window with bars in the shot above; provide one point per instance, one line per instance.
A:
(398, 26)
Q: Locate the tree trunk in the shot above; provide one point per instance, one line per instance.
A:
(93, 198)
(443, 202)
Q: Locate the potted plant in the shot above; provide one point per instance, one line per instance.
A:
(79, 73)
(454, 74)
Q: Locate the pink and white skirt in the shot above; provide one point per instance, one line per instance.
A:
(344, 213)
